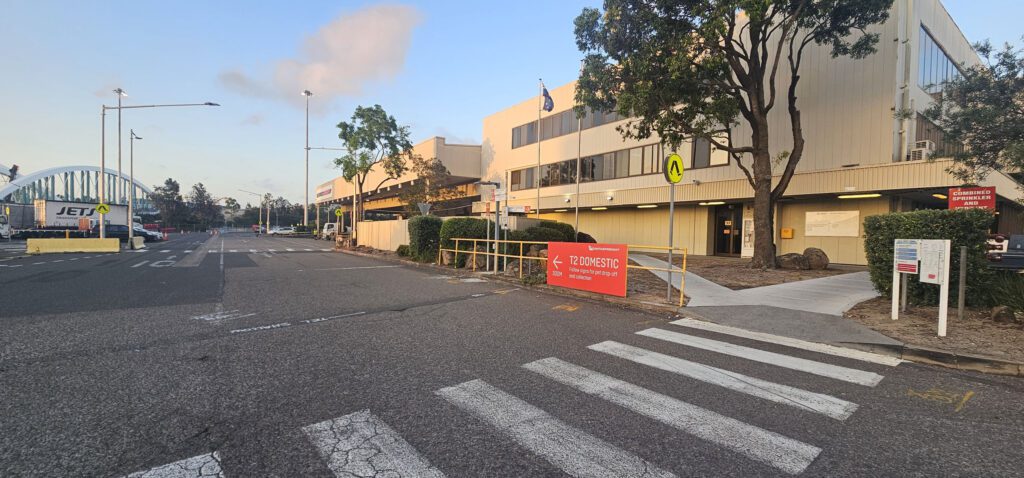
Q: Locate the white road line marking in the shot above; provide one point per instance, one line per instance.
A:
(19, 265)
(198, 466)
(271, 250)
(574, 451)
(851, 375)
(290, 249)
(322, 319)
(253, 251)
(165, 251)
(354, 268)
(188, 251)
(308, 250)
(37, 263)
(784, 394)
(767, 447)
(791, 342)
(472, 280)
(140, 264)
(261, 327)
(73, 259)
(325, 250)
(58, 260)
(360, 444)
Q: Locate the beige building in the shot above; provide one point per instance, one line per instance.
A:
(859, 158)
(381, 194)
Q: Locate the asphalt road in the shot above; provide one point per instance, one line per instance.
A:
(240, 356)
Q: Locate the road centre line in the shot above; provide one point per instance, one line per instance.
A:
(845, 374)
(790, 342)
(784, 453)
(814, 402)
(575, 452)
(140, 264)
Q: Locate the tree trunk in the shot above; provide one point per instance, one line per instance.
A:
(764, 229)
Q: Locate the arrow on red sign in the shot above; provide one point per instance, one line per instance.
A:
(556, 262)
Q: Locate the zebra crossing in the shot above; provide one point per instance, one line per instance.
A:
(362, 444)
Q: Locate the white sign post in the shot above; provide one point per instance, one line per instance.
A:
(905, 257)
(935, 270)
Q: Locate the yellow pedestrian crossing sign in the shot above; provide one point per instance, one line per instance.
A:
(673, 168)
(102, 208)
(337, 212)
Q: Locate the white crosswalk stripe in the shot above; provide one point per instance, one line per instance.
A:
(572, 450)
(201, 466)
(786, 454)
(790, 342)
(810, 366)
(360, 444)
(784, 394)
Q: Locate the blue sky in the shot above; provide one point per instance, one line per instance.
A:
(438, 66)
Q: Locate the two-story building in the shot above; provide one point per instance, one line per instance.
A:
(861, 157)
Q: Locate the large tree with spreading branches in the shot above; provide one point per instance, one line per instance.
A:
(687, 69)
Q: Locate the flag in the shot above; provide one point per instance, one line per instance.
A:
(549, 104)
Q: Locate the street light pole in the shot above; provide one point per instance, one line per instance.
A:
(305, 203)
(131, 186)
(103, 146)
(117, 187)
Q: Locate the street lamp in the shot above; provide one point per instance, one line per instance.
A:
(305, 203)
(103, 145)
(131, 187)
(117, 187)
(259, 217)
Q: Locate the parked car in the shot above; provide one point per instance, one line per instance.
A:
(117, 231)
(1006, 252)
(147, 235)
(282, 231)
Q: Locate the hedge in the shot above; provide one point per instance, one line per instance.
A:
(464, 228)
(424, 237)
(567, 231)
(545, 234)
(964, 227)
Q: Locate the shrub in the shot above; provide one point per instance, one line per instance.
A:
(545, 234)
(584, 237)
(964, 227)
(424, 237)
(1008, 289)
(513, 249)
(567, 231)
(464, 228)
(403, 251)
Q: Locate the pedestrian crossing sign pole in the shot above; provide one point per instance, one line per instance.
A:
(673, 170)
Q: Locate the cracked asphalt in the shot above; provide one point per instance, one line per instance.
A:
(238, 363)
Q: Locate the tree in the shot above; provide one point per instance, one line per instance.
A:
(168, 201)
(204, 208)
(432, 184)
(372, 138)
(231, 205)
(984, 110)
(690, 69)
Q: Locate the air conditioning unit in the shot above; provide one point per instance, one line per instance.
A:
(925, 144)
(918, 154)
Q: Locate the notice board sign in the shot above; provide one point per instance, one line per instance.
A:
(933, 260)
(907, 252)
(597, 268)
(832, 224)
(972, 198)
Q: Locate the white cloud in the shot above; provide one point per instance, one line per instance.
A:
(352, 50)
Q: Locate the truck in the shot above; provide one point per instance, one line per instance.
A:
(68, 215)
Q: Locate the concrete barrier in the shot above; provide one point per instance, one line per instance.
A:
(138, 243)
(51, 246)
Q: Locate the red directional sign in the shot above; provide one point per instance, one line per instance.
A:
(968, 198)
(597, 268)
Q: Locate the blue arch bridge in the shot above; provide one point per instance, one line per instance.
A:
(74, 183)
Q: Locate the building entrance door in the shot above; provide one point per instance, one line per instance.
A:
(728, 229)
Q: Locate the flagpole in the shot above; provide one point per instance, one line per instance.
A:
(540, 107)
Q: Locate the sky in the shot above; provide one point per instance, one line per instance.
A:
(439, 67)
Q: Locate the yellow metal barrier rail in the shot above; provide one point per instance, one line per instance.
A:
(522, 246)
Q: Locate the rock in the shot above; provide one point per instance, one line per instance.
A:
(816, 258)
(543, 253)
(1002, 313)
(793, 261)
(534, 250)
(481, 258)
(447, 257)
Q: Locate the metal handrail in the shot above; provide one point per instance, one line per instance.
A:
(520, 256)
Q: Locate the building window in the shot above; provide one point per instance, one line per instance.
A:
(935, 68)
(559, 124)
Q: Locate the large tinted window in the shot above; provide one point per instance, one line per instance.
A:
(935, 68)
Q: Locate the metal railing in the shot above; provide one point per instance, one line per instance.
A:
(497, 251)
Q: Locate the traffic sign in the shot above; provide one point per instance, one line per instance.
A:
(338, 213)
(102, 208)
(597, 268)
(673, 168)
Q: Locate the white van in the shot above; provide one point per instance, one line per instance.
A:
(5, 227)
(329, 231)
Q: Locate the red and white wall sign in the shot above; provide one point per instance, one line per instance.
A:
(970, 198)
(597, 268)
